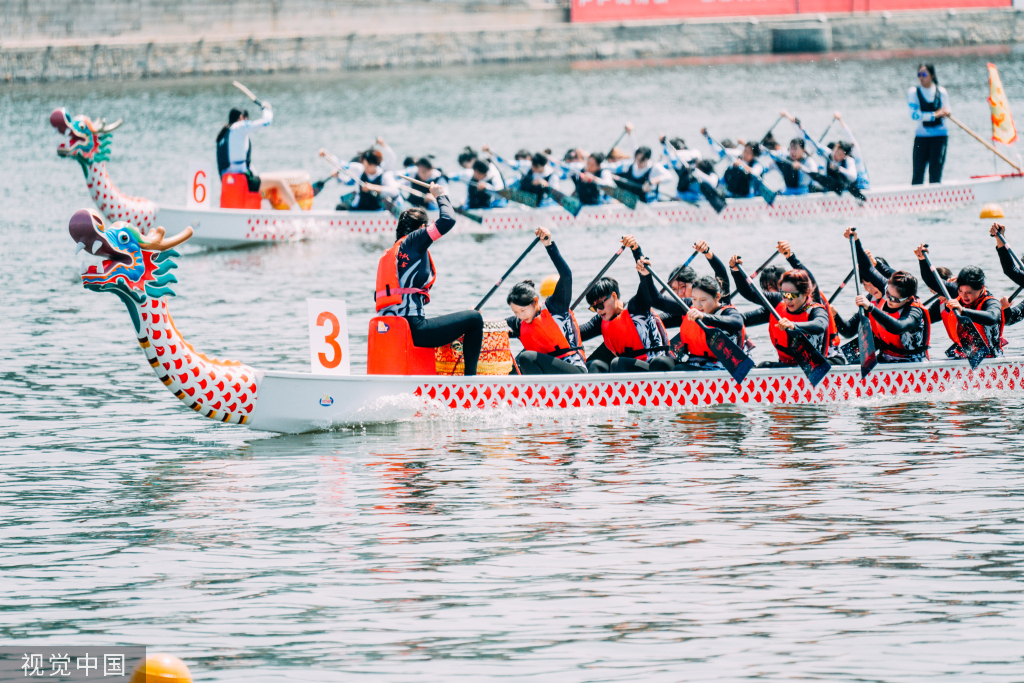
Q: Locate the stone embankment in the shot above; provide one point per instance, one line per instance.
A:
(527, 33)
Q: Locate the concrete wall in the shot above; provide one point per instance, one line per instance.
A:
(24, 20)
(131, 58)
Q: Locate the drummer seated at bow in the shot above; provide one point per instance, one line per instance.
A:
(234, 153)
(971, 299)
(691, 348)
(548, 331)
(406, 273)
(799, 314)
(633, 335)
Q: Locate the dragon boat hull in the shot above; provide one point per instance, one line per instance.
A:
(296, 402)
(238, 227)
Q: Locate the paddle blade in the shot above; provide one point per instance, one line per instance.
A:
(866, 343)
(520, 197)
(471, 216)
(971, 342)
(809, 359)
(728, 354)
(624, 196)
(716, 200)
(851, 352)
(570, 204)
(766, 194)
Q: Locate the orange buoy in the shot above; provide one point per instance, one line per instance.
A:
(547, 285)
(992, 211)
(161, 668)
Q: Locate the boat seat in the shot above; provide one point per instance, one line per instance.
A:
(390, 350)
(234, 193)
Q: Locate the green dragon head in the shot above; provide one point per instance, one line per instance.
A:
(86, 141)
(134, 266)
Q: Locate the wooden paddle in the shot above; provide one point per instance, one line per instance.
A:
(536, 240)
(865, 337)
(808, 358)
(725, 349)
(385, 199)
(248, 93)
(616, 143)
(596, 278)
(971, 342)
(462, 212)
(982, 141)
(830, 124)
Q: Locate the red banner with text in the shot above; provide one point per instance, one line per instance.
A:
(625, 10)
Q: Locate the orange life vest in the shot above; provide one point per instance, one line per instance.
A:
(696, 341)
(890, 343)
(949, 320)
(833, 329)
(388, 292)
(621, 336)
(544, 335)
(780, 338)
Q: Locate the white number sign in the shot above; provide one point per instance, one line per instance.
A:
(200, 179)
(328, 337)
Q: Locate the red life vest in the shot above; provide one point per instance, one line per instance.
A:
(949, 320)
(891, 344)
(388, 292)
(544, 335)
(696, 341)
(620, 335)
(780, 338)
(833, 329)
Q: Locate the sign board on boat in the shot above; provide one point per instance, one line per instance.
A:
(328, 337)
(200, 179)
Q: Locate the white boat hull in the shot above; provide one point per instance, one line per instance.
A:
(296, 402)
(237, 227)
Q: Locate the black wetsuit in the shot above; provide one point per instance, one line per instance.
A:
(989, 316)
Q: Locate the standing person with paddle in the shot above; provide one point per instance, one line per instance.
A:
(548, 331)
(234, 152)
(967, 298)
(796, 311)
(929, 106)
(406, 273)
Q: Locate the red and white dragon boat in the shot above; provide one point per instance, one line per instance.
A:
(89, 142)
(136, 267)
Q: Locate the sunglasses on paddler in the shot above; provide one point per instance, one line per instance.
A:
(790, 295)
(895, 299)
(923, 74)
(598, 304)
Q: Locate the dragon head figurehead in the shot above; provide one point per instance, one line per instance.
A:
(135, 266)
(85, 140)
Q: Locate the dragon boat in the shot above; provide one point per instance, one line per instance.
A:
(136, 266)
(89, 143)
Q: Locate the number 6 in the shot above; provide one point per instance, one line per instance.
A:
(197, 185)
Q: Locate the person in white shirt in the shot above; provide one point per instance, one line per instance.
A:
(929, 106)
(234, 153)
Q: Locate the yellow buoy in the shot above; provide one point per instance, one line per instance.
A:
(161, 668)
(991, 211)
(547, 285)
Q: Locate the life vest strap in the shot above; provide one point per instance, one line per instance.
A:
(401, 291)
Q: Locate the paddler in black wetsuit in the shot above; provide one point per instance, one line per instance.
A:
(548, 331)
(406, 273)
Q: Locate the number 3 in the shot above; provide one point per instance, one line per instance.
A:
(197, 186)
(331, 339)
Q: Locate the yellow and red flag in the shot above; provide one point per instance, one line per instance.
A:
(1003, 129)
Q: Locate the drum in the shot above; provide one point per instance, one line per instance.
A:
(301, 186)
(495, 354)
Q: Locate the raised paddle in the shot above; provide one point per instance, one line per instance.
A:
(830, 124)
(865, 337)
(766, 193)
(248, 93)
(808, 358)
(675, 273)
(615, 144)
(508, 272)
(386, 200)
(982, 141)
(462, 212)
(842, 286)
(596, 278)
(772, 128)
(971, 343)
(725, 349)
(1016, 260)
